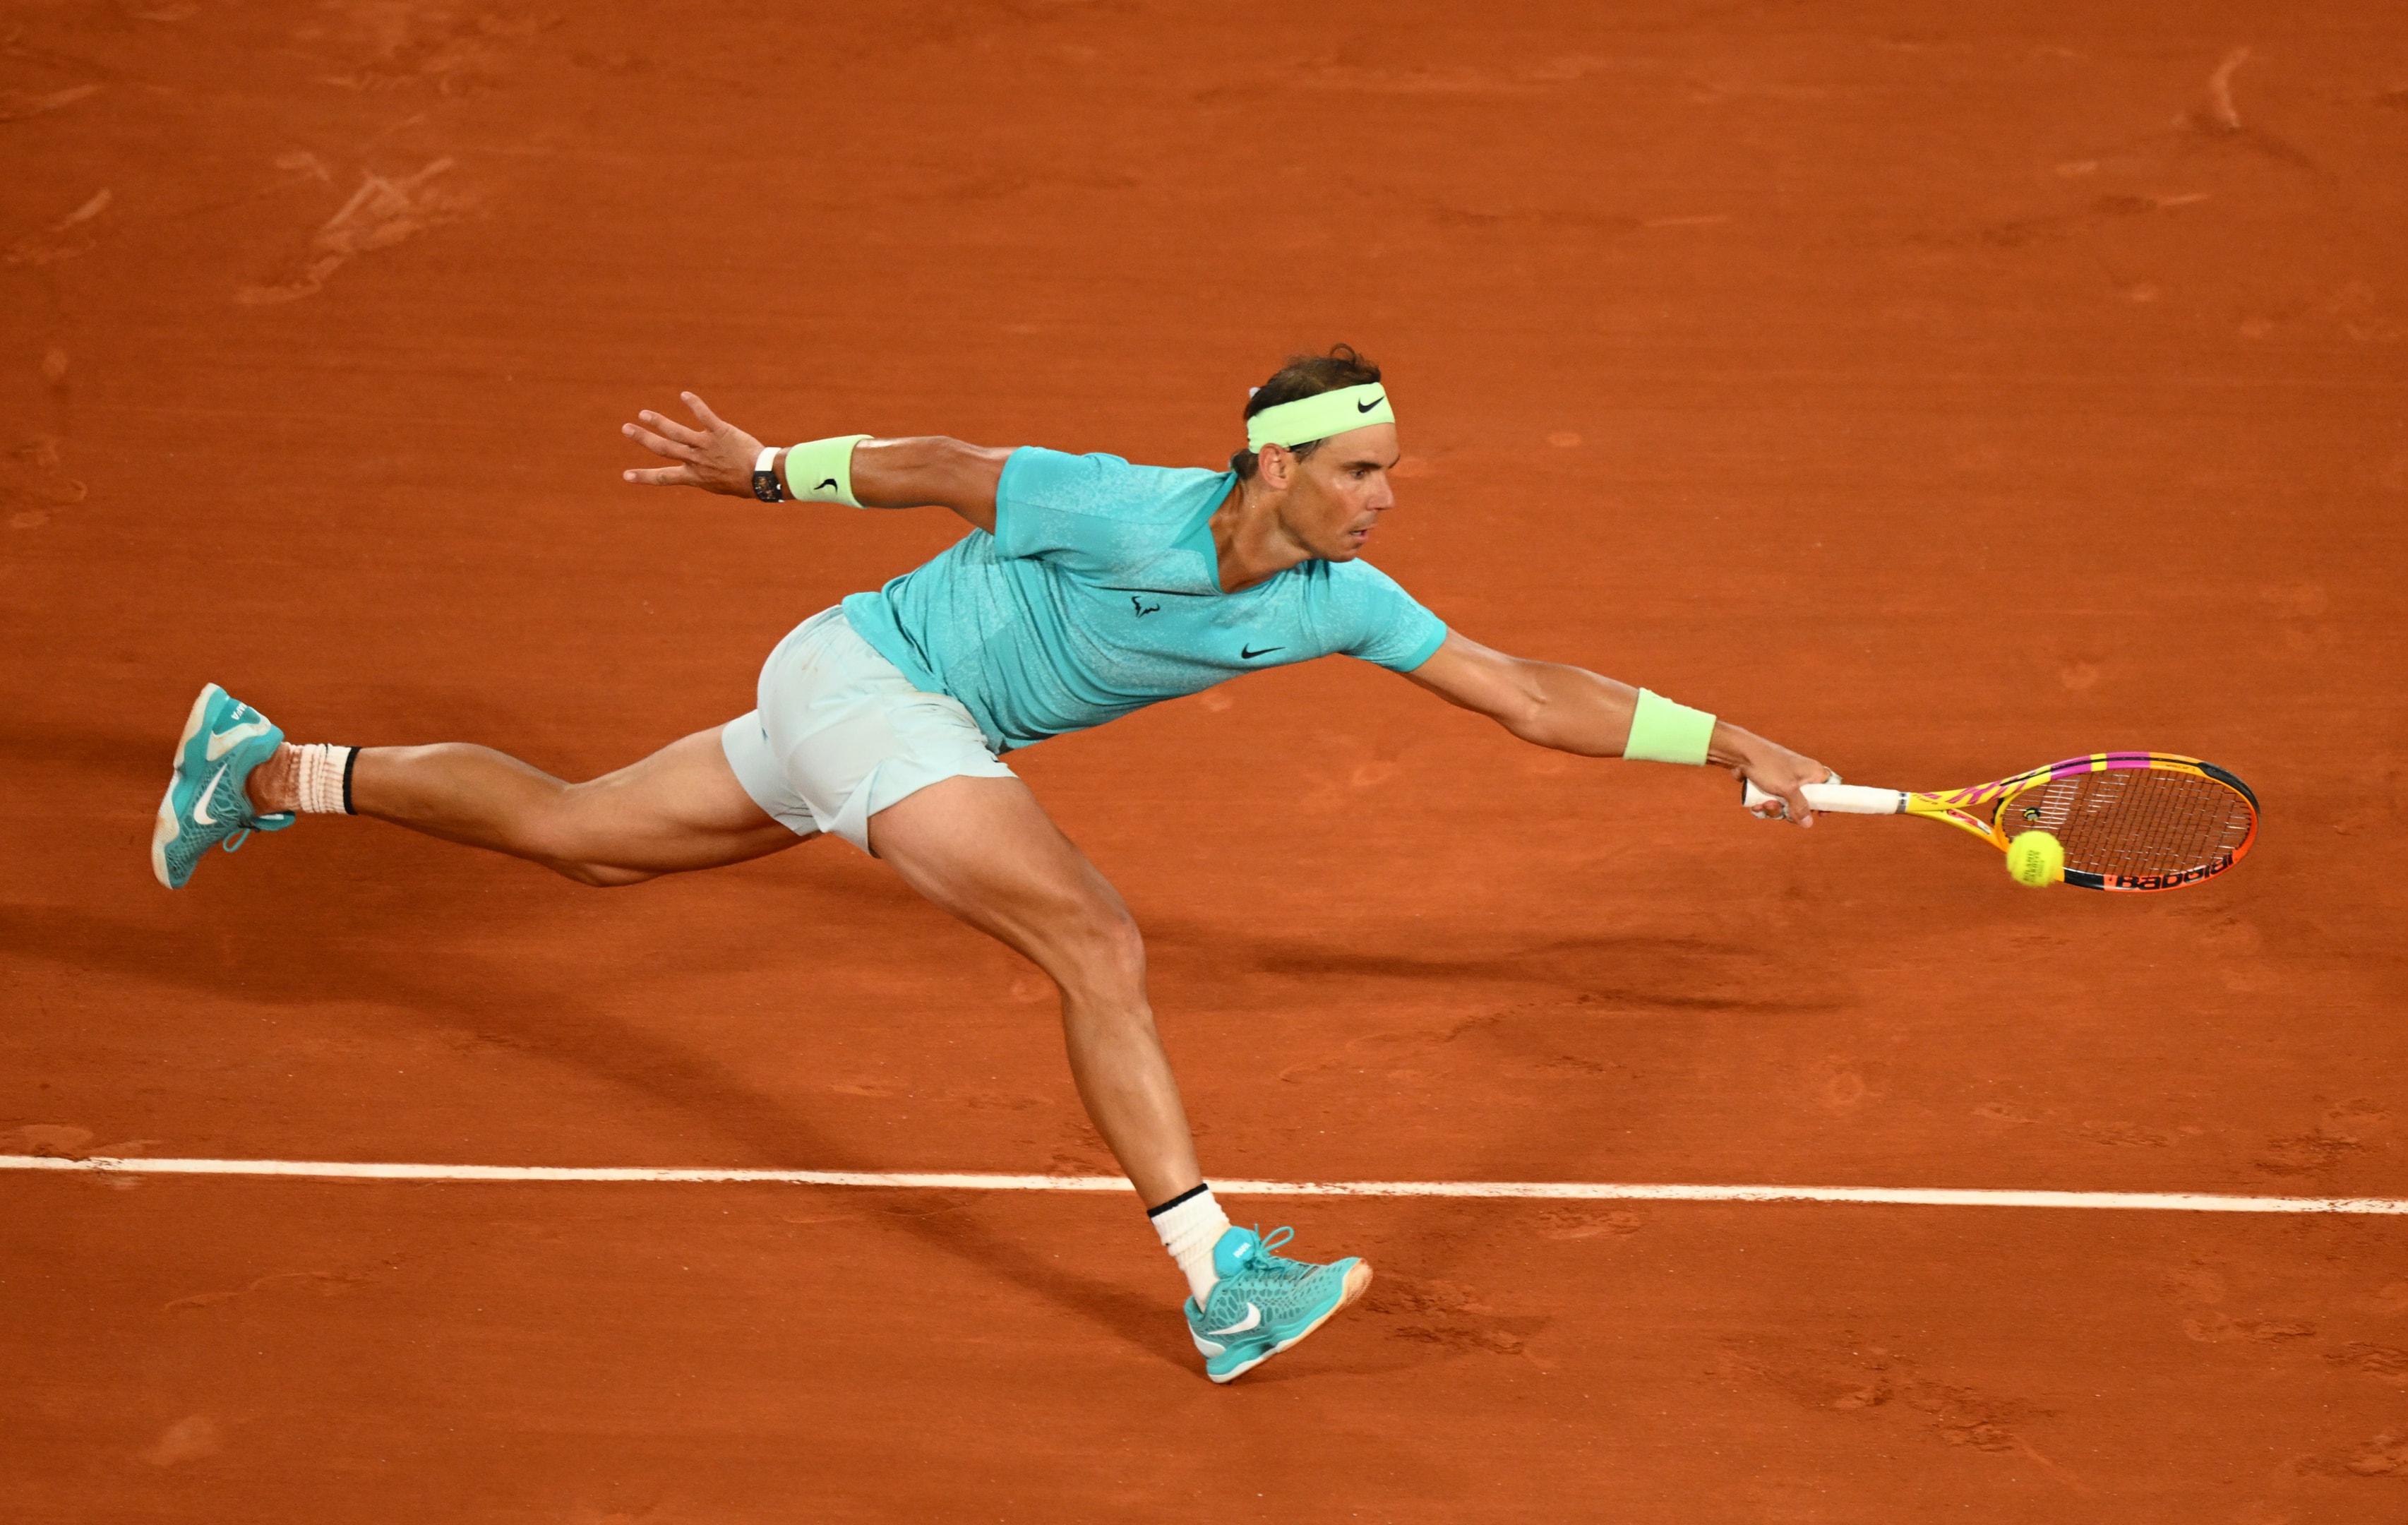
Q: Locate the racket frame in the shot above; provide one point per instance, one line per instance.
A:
(1975, 810)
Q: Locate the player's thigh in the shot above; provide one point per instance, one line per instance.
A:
(681, 808)
(984, 849)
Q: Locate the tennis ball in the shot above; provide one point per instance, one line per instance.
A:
(2036, 859)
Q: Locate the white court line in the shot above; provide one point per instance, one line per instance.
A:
(2145, 1201)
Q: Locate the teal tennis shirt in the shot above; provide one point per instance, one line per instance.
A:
(1099, 592)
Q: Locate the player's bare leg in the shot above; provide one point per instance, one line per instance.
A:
(986, 850)
(678, 810)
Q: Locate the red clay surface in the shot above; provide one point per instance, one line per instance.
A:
(1937, 394)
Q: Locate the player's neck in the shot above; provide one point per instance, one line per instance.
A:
(1252, 543)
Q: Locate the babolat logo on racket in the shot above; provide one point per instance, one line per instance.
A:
(2170, 881)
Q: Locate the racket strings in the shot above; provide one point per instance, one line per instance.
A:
(2134, 821)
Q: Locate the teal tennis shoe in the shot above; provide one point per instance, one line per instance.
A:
(1263, 1303)
(206, 805)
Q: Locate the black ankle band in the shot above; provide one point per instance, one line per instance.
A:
(1191, 1191)
(350, 758)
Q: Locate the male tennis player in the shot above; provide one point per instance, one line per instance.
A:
(1087, 588)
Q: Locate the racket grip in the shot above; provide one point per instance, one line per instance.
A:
(1838, 798)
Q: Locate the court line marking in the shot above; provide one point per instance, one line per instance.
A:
(2145, 1201)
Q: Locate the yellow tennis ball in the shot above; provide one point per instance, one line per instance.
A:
(2036, 859)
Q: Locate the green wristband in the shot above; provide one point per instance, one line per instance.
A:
(1662, 731)
(821, 471)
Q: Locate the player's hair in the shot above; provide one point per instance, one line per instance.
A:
(1304, 375)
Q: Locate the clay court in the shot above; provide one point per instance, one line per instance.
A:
(1939, 393)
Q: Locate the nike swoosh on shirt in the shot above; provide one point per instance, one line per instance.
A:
(1248, 654)
(1254, 1316)
(222, 742)
(201, 815)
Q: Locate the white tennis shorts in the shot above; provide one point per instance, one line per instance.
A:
(841, 734)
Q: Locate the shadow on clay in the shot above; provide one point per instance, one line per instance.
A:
(1678, 973)
(206, 959)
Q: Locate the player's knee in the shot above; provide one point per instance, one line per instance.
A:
(1101, 947)
(561, 831)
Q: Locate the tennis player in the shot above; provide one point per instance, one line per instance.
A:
(1087, 588)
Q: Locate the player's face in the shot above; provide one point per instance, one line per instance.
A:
(1336, 494)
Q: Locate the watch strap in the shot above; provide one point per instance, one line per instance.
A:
(766, 485)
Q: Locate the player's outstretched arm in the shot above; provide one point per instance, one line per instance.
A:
(1573, 709)
(718, 457)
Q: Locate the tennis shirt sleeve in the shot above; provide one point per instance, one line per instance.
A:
(1070, 509)
(1367, 615)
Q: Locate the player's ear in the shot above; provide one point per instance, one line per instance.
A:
(1276, 467)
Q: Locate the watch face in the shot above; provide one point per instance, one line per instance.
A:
(767, 487)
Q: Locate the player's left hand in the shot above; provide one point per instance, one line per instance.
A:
(717, 457)
(1781, 772)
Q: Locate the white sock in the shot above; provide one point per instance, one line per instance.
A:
(326, 779)
(1190, 1224)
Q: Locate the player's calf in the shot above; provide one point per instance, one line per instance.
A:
(678, 810)
(597, 875)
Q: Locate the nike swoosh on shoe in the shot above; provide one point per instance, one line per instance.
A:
(201, 815)
(1253, 1318)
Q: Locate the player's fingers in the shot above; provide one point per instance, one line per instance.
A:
(662, 476)
(657, 445)
(1795, 806)
(674, 429)
(702, 410)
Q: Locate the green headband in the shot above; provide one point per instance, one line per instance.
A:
(1319, 416)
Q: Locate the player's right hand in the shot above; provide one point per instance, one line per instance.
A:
(1781, 772)
(717, 457)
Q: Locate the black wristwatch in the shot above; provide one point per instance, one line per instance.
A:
(766, 485)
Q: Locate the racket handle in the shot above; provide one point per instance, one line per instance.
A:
(1838, 798)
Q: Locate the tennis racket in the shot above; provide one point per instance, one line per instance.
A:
(2128, 820)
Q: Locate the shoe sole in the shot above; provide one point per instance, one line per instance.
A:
(1358, 1281)
(169, 825)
